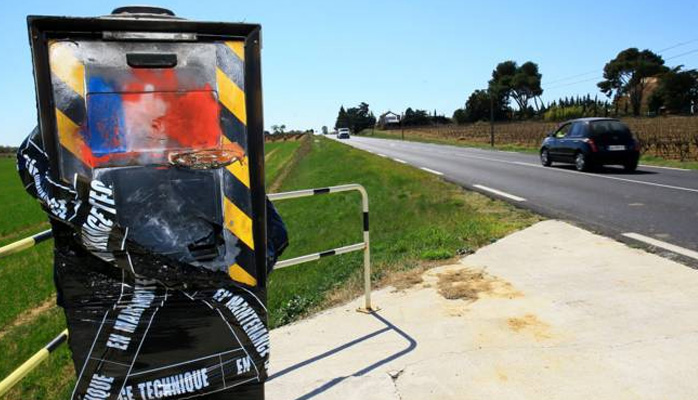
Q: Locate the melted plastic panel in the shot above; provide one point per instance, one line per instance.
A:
(109, 113)
(174, 212)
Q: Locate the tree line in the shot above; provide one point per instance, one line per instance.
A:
(627, 79)
(361, 117)
(634, 81)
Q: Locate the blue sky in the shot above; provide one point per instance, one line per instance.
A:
(319, 55)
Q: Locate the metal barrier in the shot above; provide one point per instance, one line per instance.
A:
(31, 363)
(365, 245)
(17, 375)
(25, 243)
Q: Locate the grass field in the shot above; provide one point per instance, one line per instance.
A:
(278, 155)
(416, 219)
(26, 283)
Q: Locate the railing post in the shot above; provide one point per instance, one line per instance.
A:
(367, 251)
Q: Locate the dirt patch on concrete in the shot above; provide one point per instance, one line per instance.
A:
(469, 284)
(406, 279)
(529, 323)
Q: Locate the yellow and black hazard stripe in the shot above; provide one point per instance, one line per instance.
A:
(237, 210)
(68, 81)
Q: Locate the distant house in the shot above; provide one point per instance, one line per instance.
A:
(388, 119)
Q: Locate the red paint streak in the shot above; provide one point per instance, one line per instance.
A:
(191, 119)
(152, 80)
(179, 120)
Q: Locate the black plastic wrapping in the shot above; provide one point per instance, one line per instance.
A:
(142, 324)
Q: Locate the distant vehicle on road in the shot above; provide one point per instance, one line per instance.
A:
(590, 143)
(343, 133)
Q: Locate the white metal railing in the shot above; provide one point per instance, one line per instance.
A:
(19, 373)
(365, 245)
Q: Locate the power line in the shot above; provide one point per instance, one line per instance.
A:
(601, 77)
(575, 83)
(678, 45)
(574, 76)
(682, 54)
(596, 70)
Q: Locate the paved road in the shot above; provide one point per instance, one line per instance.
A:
(656, 206)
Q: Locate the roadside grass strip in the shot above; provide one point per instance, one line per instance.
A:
(663, 245)
(413, 217)
(662, 167)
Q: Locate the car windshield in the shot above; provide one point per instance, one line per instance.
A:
(607, 128)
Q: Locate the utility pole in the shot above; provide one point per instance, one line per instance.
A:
(402, 127)
(491, 117)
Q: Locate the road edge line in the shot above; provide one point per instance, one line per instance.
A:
(661, 244)
(432, 171)
(500, 193)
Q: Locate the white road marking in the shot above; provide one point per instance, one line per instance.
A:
(664, 245)
(578, 173)
(594, 175)
(657, 166)
(400, 161)
(500, 193)
(382, 155)
(431, 171)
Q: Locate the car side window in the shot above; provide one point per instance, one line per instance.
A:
(563, 131)
(577, 130)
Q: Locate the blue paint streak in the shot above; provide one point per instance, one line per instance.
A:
(105, 118)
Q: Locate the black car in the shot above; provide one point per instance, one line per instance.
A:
(591, 142)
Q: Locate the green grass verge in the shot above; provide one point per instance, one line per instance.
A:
(395, 134)
(278, 154)
(51, 380)
(26, 281)
(662, 162)
(18, 212)
(26, 277)
(415, 217)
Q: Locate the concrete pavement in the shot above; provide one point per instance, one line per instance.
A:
(550, 312)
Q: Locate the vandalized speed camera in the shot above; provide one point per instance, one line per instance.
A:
(149, 160)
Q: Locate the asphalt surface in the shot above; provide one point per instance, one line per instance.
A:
(652, 204)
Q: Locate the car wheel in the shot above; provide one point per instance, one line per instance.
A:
(581, 162)
(545, 158)
(630, 166)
